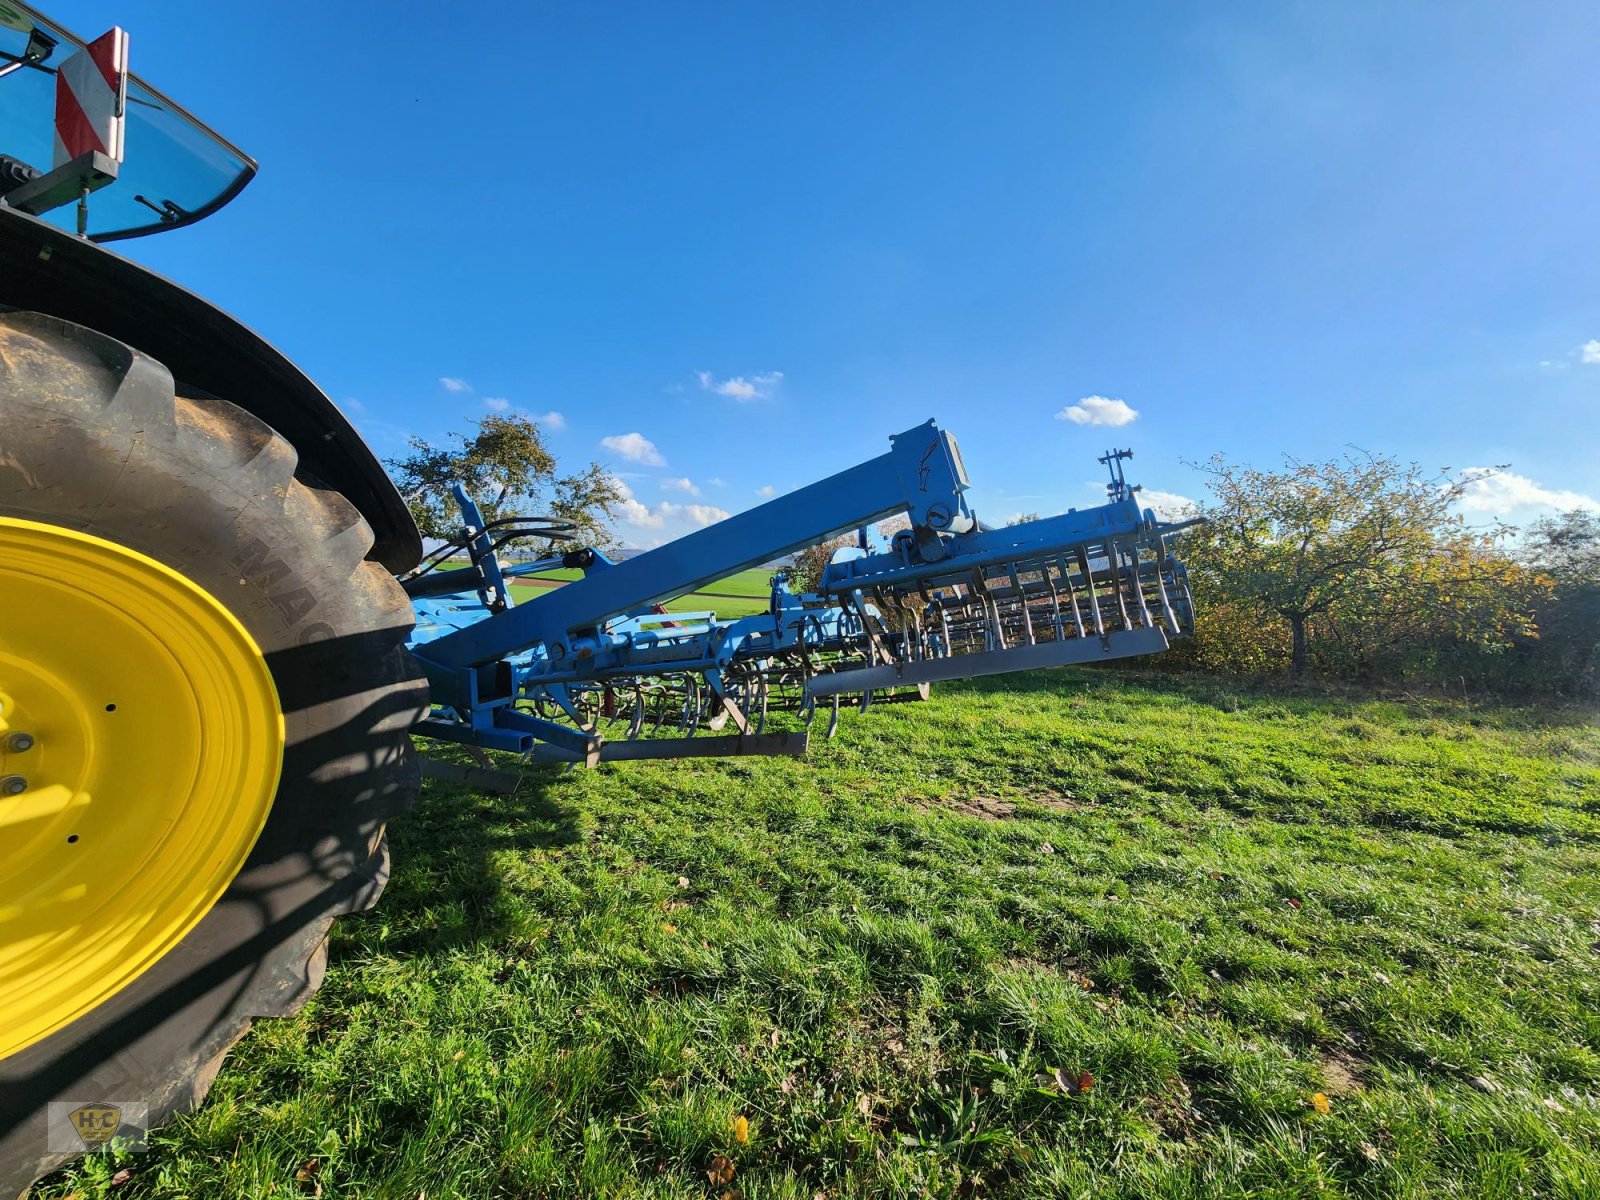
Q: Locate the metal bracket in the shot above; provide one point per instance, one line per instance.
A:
(64, 185)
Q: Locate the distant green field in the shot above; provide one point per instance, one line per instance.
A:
(1068, 934)
(755, 582)
(724, 606)
(741, 595)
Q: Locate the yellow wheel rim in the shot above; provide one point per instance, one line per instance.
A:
(157, 742)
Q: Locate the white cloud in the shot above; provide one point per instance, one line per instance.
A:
(497, 404)
(631, 512)
(758, 387)
(1098, 410)
(681, 485)
(1590, 352)
(1168, 505)
(698, 515)
(715, 481)
(635, 447)
(1501, 492)
(455, 385)
(551, 420)
(766, 490)
(637, 515)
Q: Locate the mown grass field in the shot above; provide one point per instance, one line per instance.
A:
(1070, 934)
(741, 595)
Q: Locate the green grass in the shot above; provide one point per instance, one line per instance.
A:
(1218, 903)
(740, 595)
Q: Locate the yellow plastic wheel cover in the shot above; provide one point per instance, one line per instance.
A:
(157, 741)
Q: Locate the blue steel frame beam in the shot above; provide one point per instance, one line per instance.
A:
(921, 475)
(1119, 519)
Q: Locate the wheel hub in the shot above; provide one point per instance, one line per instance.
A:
(141, 742)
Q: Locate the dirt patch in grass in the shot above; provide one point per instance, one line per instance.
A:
(985, 808)
(1057, 801)
(1341, 1073)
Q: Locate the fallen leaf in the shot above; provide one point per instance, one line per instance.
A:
(1484, 1084)
(308, 1170)
(787, 1086)
(1320, 1103)
(1293, 903)
(667, 927)
(864, 1105)
(683, 881)
(1554, 1105)
(1066, 1082)
(458, 1056)
(1369, 1152)
(741, 1129)
(773, 1038)
(120, 1178)
(732, 1194)
(721, 1172)
(1046, 848)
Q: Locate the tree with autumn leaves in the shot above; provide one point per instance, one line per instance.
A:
(1361, 567)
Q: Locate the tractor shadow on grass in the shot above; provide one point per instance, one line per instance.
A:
(451, 854)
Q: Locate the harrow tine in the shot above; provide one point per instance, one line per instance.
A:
(1022, 602)
(1166, 600)
(1138, 590)
(1094, 597)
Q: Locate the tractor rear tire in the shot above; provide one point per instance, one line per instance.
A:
(97, 444)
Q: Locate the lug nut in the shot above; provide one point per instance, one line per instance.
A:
(18, 742)
(12, 785)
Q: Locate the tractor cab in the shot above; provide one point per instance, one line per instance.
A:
(90, 147)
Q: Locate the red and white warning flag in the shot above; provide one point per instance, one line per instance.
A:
(91, 98)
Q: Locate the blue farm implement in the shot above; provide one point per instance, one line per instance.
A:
(596, 670)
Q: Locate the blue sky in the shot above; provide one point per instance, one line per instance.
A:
(759, 238)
